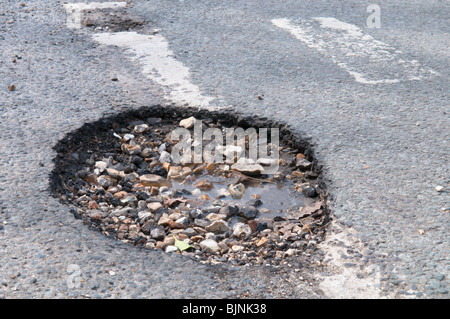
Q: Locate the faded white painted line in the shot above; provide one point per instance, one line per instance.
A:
(368, 60)
(74, 10)
(158, 64)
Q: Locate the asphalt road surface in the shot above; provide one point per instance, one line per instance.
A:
(369, 86)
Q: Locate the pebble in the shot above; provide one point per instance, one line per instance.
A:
(218, 226)
(237, 248)
(213, 216)
(236, 190)
(131, 149)
(203, 185)
(248, 169)
(241, 230)
(303, 164)
(158, 233)
(209, 245)
(171, 249)
(154, 206)
(165, 157)
(188, 122)
(248, 212)
(153, 180)
(141, 128)
(229, 210)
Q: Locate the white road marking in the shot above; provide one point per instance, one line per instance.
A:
(158, 64)
(74, 10)
(368, 60)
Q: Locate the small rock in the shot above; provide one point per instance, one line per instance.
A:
(165, 157)
(253, 224)
(128, 137)
(176, 172)
(309, 191)
(439, 188)
(158, 233)
(201, 222)
(196, 213)
(290, 252)
(203, 185)
(131, 149)
(183, 220)
(241, 230)
(164, 220)
(141, 128)
(188, 123)
(106, 181)
(96, 215)
(189, 232)
(248, 212)
(218, 226)
(237, 248)
(213, 217)
(223, 192)
(236, 190)
(143, 216)
(115, 173)
(263, 241)
(248, 169)
(169, 240)
(303, 164)
(229, 210)
(101, 166)
(174, 225)
(154, 180)
(224, 247)
(120, 194)
(128, 199)
(198, 170)
(154, 206)
(209, 245)
(91, 178)
(210, 236)
(11, 87)
(93, 205)
(171, 249)
(154, 120)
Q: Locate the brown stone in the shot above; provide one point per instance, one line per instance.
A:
(204, 185)
(131, 149)
(93, 205)
(120, 194)
(153, 180)
(175, 225)
(154, 206)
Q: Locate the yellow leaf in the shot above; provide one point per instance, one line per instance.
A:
(181, 245)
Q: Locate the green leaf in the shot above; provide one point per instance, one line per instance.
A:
(181, 245)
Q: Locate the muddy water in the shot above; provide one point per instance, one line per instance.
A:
(276, 197)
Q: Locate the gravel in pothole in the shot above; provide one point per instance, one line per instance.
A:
(214, 213)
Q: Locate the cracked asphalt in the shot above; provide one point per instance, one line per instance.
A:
(384, 148)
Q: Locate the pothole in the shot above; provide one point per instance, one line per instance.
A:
(132, 179)
(112, 20)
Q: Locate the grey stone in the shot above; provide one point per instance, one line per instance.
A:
(158, 233)
(218, 226)
(209, 245)
(248, 212)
